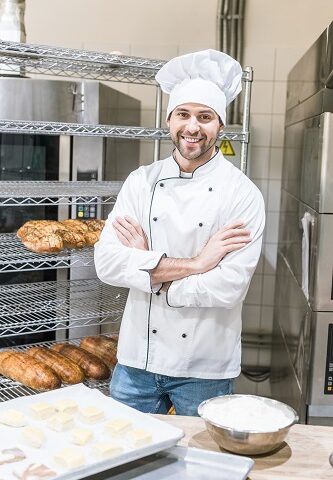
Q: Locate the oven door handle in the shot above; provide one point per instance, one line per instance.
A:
(307, 222)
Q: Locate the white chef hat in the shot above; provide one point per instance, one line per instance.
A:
(208, 77)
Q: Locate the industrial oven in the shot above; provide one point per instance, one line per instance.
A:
(302, 358)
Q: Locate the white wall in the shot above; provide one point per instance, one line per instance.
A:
(277, 33)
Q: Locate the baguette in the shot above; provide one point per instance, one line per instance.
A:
(27, 370)
(92, 366)
(68, 371)
(103, 347)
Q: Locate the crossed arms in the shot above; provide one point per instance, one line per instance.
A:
(231, 238)
(218, 277)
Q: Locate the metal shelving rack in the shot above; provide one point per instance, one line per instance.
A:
(9, 389)
(14, 257)
(44, 193)
(46, 306)
(41, 299)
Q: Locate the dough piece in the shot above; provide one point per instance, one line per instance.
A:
(104, 450)
(81, 436)
(66, 405)
(34, 471)
(69, 458)
(91, 414)
(33, 437)
(140, 437)
(42, 410)
(11, 455)
(118, 426)
(60, 422)
(12, 418)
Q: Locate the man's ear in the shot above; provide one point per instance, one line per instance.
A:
(221, 127)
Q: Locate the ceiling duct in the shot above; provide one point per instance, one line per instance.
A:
(12, 26)
(230, 30)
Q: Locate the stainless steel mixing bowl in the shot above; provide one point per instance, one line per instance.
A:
(247, 442)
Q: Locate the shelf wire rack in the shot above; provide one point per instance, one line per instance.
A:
(45, 193)
(51, 306)
(80, 129)
(41, 59)
(10, 389)
(14, 257)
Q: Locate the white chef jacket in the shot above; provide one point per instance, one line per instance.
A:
(195, 329)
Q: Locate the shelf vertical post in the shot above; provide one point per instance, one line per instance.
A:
(246, 118)
(158, 115)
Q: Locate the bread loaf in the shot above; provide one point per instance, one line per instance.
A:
(48, 236)
(92, 366)
(68, 371)
(27, 370)
(103, 347)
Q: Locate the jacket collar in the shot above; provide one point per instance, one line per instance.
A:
(172, 170)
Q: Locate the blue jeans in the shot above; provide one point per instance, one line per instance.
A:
(153, 393)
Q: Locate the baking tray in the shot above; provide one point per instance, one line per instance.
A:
(181, 463)
(164, 435)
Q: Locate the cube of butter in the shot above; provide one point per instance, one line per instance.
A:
(42, 410)
(81, 436)
(118, 426)
(66, 405)
(91, 414)
(69, 458)
(12, 418)
(140, 437)
(105, 450)
(60, 422)
(33, 437)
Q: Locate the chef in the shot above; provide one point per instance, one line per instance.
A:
(185, 237)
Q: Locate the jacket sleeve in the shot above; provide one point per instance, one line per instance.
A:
(226, 285)
(117, 264)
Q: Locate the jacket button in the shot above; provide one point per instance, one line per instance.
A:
(210, 189)
(155, 219)
(158, 293)
(184, 335)
(161, 184)
(200, 224)
(154, 331)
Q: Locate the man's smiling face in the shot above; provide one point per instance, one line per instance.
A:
(194, 129)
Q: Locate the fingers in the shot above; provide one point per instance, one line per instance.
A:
(122, 238)
(134, 224)
(119, 226)
(233, 247)
(234, 233)
(233, 225)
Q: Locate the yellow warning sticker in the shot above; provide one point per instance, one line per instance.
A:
(226, 148)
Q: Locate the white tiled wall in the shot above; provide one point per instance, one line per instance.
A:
(277, 33)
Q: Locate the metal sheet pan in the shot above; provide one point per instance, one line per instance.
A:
(181, 463)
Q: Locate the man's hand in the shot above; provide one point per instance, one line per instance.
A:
(130, 233)
(230, 238)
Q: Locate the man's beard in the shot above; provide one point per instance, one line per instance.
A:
(192, 154)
